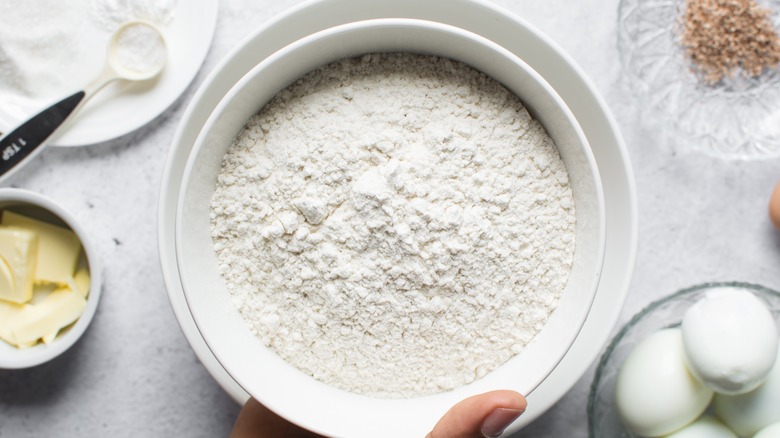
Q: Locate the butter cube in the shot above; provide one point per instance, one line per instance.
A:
(41, 291)
(58, 248)
(61, 308)
(81, 282)
(8, 312)
(26, 345)
(6, 277)
(18, 253)
(48, 339)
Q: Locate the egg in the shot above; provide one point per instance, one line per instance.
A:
(774, 206)
(771, 431)
(705, 427)
(654, 392)
(746, 414)
(730, 339)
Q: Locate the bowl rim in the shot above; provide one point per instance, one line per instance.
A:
(41, 353)
(584, 146)
(650, 308)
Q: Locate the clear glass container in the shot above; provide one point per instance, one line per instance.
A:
(737, 118)
(603, 421)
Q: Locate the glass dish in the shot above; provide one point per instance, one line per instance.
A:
(668, 312)
(737, 118)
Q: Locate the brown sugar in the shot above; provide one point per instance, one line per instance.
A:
(725, 37)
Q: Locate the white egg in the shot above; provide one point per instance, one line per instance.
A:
(730, 339)
(705, 427)
(746, 414)
(654, 392)
(771, 431)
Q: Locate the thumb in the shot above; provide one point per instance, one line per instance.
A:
(479, 416)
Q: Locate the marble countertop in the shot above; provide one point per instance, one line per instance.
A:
(134, 374)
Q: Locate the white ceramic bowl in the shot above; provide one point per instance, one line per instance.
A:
(43, 208)
(513, 33)
(261, 372)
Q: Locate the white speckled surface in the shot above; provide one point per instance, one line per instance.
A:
(133, 373)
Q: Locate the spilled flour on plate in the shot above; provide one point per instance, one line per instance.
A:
(394, 225)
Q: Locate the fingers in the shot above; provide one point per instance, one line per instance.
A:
(256, 421)
(479, 416)
(483, 415)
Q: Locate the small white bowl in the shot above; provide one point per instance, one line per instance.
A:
(43, 208)
(275, 383)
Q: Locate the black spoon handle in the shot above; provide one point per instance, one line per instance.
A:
(23, 142)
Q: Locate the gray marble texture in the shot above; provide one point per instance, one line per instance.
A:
(134, 374)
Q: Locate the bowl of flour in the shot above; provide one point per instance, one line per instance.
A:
(384, 218)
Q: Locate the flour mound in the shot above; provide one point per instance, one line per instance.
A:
(394, 225)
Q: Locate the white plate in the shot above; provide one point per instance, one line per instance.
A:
(515, 35)
(122, 108)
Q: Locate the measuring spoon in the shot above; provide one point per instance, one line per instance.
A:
(136, 52)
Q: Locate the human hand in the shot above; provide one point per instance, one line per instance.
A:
(479, 416)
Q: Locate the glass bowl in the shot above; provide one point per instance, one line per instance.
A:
(603, 421)
(737, 118)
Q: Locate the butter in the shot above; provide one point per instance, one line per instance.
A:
(48, 339)
(18, 251)
(41, 290)
(58, 248)
(34, 321)
(6, 276)
(26, 320)
(81, 282)
(8, 312)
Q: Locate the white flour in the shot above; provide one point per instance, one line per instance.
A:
(394, 225)
(140, 49)
(109, 14)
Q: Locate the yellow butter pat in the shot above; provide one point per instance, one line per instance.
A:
(81, 282)
(8, 312)
(18, 257)
(41, 291)
(61, 308)
(58, 248)
(48, 339)
(6, 277)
